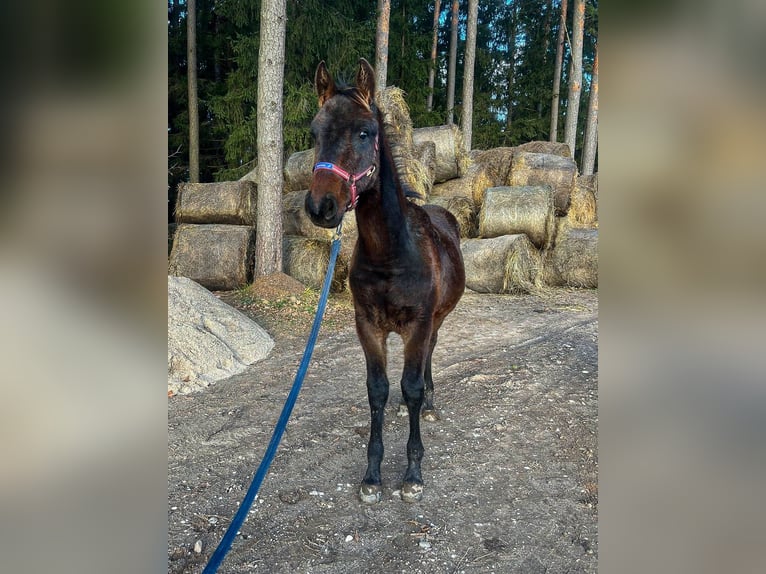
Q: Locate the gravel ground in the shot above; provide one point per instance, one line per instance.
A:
(510, 470)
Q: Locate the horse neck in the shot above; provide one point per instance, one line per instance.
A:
(380, 213)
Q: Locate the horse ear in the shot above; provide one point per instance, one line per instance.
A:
(365, 80)
(323, 83)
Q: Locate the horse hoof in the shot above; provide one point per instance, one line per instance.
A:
(412, 492)
(402, 412)
(430, 415)
(370, 493)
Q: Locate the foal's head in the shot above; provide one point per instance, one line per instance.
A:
(345, 132)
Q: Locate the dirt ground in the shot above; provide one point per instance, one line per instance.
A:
(510, 470)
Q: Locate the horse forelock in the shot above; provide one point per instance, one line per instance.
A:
(352, 93)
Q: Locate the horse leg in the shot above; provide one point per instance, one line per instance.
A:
(429, 412)
(374, 346)
(413, 385)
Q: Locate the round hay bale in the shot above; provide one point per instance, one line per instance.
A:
(590, 182)
(298, 170)
(451, 159)
(480, 181)
(458, 187)
(474, 153)
(554, 148)
(426, 153)
(231, 202)
(497, 162)
(414, 177)
(396, 117)
(414, 174)
(464, 210)
(473, 184)
(218, 257)
(524, 209)
(306, 260)
(582, 208)
(505, 264)
(295, 220)
(573, 261)
(529, 168)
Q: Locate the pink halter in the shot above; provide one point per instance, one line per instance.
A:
(347, 177)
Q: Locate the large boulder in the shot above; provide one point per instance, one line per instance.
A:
(208, 340)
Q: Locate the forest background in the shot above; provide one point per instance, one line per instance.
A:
(513, 82)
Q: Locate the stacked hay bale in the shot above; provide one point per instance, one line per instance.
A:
(553, 148)
(583, 209)
(229, 202)
(218, 257)
(573, 258)
(573, 261)
(504, 264)
(516, 208)
(532, 168)
(306, 247)
(511, 210)
(451, 158)
(530, 191)
(306, 260)
(514, 225)
(214, 239)
(297, 171)
(525, 217)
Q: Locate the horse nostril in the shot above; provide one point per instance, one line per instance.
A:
(329, 207)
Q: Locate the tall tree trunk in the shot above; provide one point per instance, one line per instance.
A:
(575, 75)
(546, 44)
(191, 65)
(381, 44)
(470, 59)
(452, 64)
(511, 67)
(557, 72)
(434, 46)
(590, 145)
(271, 70)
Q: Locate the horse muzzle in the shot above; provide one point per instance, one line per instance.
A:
(323, 211)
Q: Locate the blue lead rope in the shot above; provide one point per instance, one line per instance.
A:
(252, 491)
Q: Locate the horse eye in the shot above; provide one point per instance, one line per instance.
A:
(363, 134)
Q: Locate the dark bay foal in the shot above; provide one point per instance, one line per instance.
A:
(407, 270)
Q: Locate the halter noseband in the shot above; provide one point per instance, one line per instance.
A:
(347, 177)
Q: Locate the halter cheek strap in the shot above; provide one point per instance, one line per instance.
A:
(347, 177)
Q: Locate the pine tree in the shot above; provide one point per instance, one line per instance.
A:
(557, 72)
(191, 51)
(452, 64)
(381, 44)
(468, 73)
(590, 144)
(575, 76)
(271, 66)
(434, 46)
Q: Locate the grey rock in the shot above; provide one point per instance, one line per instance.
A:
(208, 340)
